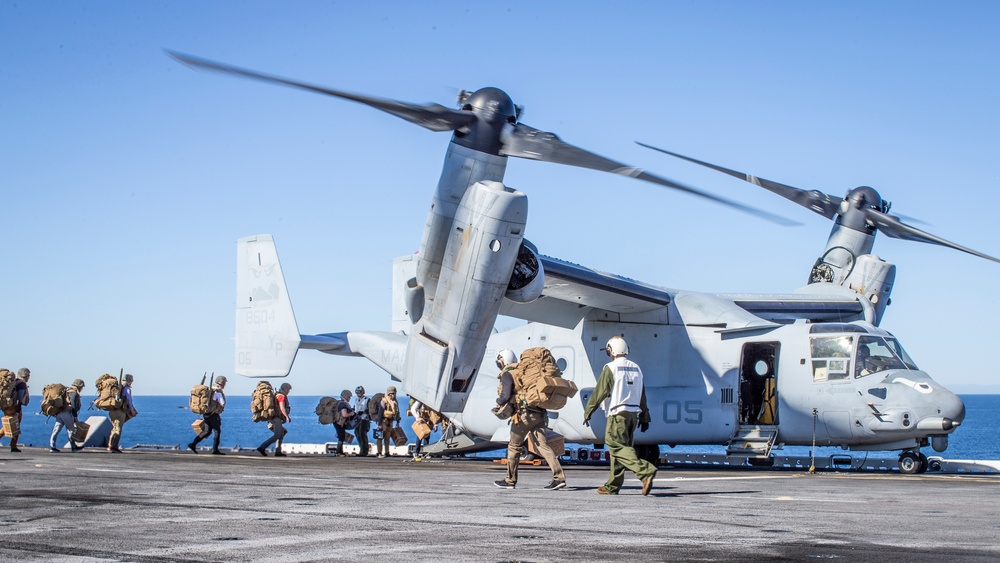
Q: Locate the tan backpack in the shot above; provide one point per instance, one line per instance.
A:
(201, 398)
(538, 381)
(7, 382)
(54, 399)
(326, 410)
(109, 393)
(263, 406)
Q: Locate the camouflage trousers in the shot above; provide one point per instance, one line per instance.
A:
(534, 424)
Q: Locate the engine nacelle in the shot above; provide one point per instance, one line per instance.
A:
(847, 262)
(446, 346)
(528, 278)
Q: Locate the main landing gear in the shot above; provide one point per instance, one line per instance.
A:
(912, 462)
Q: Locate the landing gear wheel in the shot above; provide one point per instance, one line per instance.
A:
(910, 463)
(934, 465)
(923, 463)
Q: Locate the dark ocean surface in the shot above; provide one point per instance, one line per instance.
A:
(165, 420)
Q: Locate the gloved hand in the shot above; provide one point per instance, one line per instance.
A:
(643, 426)
(586, 422)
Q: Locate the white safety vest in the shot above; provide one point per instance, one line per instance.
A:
(626, 393)
(360, 406)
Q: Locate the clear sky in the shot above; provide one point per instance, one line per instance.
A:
(126, 178)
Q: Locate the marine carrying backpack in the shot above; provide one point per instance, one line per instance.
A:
(54, 399)
(538, 381)
(264, 406)
(8, 381)
(201, 399)
(109, 393)
(326, 410)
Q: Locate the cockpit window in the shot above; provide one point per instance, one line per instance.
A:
(877, 354)
(831, 357)
(896, 347)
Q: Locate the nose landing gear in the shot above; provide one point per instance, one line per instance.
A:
(912, 462)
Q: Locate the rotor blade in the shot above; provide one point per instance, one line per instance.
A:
(528, 142)
(895, 228)
(817, 201)
(430, 116)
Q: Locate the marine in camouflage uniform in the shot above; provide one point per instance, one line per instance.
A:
(525, 422)
(20, 398)
(121, 415)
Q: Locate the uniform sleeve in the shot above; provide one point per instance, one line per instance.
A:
(644, 414)
(506, 388)
(601, 391)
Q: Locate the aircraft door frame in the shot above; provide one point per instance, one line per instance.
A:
(758, 386)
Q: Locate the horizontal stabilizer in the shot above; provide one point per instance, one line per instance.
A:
(322, 342)
(267, 337)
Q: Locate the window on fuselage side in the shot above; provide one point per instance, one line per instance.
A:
(831, 357)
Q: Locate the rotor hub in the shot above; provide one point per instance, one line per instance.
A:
(491, 105)
(494, 111)
(852, 213)
(864, 196)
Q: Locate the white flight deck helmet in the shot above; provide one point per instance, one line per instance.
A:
(505, 357)
(617, 347)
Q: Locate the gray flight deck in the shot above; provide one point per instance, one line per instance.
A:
(177, 506)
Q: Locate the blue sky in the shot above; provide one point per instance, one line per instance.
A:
(126, 178)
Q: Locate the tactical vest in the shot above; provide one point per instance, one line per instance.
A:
(391, 408)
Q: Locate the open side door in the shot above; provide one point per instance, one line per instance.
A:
(758, 401)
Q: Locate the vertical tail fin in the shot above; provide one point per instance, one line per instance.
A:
(267, 337)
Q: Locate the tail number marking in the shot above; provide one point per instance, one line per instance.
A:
(688, 411)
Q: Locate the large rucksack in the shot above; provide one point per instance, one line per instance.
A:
(326, 409)
(201, 398)
(54, 399)
(8, 381)
(373, 404)
(264, 406)
(109, 393)
(538, 381)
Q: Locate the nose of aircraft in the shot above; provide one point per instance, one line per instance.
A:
(949, 411)
(951, 406)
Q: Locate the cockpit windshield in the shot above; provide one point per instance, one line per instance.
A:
(876, 353)
(898, 349)
(835, 357)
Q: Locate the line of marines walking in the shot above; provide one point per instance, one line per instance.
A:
(619, 391)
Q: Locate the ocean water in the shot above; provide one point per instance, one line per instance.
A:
(165, 420)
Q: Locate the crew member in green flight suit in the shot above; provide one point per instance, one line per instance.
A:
(621, 382)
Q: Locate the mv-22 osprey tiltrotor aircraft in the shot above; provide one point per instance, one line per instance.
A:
(749, 371)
